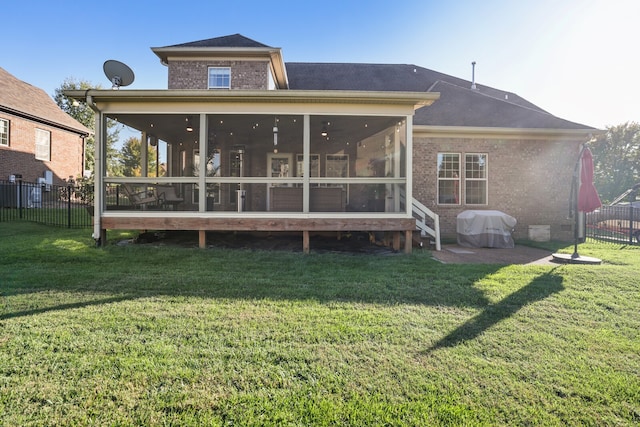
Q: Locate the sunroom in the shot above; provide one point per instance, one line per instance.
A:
(297, 161)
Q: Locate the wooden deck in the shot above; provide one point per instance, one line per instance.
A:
(396, 226)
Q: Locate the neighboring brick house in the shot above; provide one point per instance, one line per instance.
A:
(36, 136)
(335, 147)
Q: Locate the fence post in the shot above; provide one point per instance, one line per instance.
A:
(632, 198)
(68, 206)
(20, 197)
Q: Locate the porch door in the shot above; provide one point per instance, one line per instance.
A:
(278, 166)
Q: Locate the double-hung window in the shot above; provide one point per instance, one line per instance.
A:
(4, 132)
(219, 78)
(43, 145)
(449, 178)
(456, 178)
(475, 179)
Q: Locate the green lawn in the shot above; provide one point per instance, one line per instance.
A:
(144, 335)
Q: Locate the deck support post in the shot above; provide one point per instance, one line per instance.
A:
(305, 241)
(202, 239)
(396, 240)
(408, 241)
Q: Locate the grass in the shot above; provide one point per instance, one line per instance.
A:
(143, 335)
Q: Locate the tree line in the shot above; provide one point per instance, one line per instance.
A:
(123, 161)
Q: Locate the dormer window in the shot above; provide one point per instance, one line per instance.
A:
(219, 78)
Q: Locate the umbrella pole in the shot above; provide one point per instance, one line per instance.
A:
(575, 258)
(576, 186)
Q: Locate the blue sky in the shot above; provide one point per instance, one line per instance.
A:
(577, 59)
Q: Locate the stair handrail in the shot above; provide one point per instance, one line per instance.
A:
(421, 213)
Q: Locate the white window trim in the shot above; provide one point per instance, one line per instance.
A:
(459, 180)
(463, 180)
(4, 137)
(485, 179)
(209, 71)
(43, 145)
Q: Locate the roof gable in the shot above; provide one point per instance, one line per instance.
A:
(233, 40)
(21, 98)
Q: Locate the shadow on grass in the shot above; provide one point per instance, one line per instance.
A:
(69, 306)
(321, 279)
(538, 289)
(117, 274)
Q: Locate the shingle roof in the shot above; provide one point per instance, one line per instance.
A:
(22, 98)
(459, 105)
(233, 40)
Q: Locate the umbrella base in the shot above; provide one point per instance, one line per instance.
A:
(573, 259)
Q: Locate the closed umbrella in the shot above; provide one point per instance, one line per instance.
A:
(584, 200)
(588, 199)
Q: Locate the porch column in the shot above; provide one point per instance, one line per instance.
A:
(99, 172)
(202, 167)
(409, 162)
(144, 154)
(306, 149)
(202, 185)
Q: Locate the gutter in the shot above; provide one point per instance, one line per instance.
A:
(97, 164)
(502, 133)
(416, 99)
(40, 120)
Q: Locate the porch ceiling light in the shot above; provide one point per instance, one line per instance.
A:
(189, 127)
(324, 132)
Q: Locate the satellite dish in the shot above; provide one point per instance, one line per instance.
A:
(118, 73)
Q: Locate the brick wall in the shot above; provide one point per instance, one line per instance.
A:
(252, 75)
(527, 179)
(19, 157)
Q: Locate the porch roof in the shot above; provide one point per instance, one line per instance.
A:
(407, 99)
(163, 112)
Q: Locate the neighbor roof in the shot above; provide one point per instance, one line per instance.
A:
(22, 99)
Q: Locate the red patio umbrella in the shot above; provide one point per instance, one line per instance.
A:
(588, 199)
(584, 200)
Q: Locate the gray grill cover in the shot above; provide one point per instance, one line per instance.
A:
(485, 229)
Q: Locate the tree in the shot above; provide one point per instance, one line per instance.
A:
(85, 115)
(617, 160)
(131, 157)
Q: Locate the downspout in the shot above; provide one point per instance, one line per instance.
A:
(98, 171)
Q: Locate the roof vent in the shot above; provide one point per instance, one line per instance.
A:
(473, 76)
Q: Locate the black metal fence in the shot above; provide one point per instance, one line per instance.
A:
(618, 224)
(57, 205)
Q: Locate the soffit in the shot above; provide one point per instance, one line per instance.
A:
(197, 99)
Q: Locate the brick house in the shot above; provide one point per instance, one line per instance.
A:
(314, 147)
(37, 138)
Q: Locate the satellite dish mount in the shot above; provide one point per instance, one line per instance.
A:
(119, 74)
